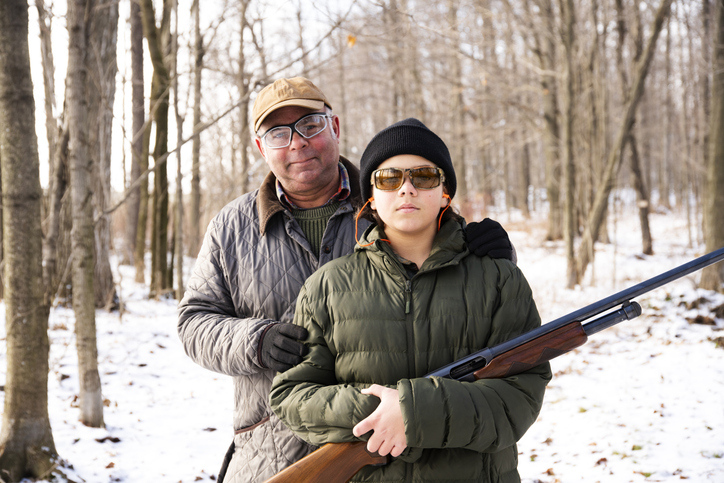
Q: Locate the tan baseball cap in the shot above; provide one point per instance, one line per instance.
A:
(296, 91)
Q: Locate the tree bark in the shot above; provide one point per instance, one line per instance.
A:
(137, 94)
(82, 234)
(194, 239)
(46, 55)
(102, 34)
(712, 277)
(642, 198)
(27, 448)
(54, 226)
(569, 171)
(664, 166)
(551, 127)
(158, 40)
(243, 79)
(178, 246)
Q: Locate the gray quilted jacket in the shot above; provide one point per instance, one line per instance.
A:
(253, 262)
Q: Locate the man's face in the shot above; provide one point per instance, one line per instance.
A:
(307, 168)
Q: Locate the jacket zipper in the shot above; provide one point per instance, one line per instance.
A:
(408, 296)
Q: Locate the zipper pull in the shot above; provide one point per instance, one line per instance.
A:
(408, 296)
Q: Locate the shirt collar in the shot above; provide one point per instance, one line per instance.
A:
(342, 193)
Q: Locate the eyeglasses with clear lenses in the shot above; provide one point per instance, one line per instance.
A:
(423, 177)
(308, 126)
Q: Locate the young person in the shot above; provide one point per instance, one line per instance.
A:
(410, 299)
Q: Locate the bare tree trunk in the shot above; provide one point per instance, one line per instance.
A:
(158, 41)
(178, 212)
(243, 87)
(664, 166)
(137, 95)
(342, 102)
(551, 129)
(81, 175)
(391, 16)
(569, 172)
(524, 181)
(194, 239)
(46, 53)
(27, 448)
(102, 34)
(712, 277)
(139, 260)
(642, 196)
(300, 38)
(595, 217)
(58, 188)
(57, 156)
(457, 105)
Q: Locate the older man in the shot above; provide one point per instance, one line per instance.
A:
(258, 251)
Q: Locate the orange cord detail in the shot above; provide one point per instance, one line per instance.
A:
(356, 222)
(439, 221)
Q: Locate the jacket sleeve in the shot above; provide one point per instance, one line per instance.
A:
(489, 414)
(210, 331)
(307, 397)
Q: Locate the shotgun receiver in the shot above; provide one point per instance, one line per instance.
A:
(338, 462)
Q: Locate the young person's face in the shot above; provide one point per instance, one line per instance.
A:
(408, 210)
(306, 165)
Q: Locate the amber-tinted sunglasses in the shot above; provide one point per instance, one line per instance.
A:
(424, 178)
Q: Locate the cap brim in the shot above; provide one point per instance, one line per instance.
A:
(307, 103)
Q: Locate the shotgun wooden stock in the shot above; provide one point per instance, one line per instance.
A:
(333, 462)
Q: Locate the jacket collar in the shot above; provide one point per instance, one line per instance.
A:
(448, 248)
(269, 204)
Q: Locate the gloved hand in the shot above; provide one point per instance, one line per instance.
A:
(489, 238)
(280, 347)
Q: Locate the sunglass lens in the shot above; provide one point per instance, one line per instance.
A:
(425, 178)
(388, 179)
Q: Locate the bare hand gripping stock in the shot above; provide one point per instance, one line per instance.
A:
(338, 462)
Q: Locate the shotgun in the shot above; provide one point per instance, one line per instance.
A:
(338, 462)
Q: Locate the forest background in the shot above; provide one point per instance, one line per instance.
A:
(547, 106)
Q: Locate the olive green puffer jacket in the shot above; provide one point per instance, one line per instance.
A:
(370, 322)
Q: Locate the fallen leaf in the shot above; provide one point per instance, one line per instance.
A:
(112, 439)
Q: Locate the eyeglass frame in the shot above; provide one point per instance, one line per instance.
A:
(293, 127)
(407, 172)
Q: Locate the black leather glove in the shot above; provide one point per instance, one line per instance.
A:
(489, 238)
(281, 347)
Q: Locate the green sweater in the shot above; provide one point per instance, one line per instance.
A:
(369, 322)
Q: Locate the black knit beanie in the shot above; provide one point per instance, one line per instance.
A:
(405, 137)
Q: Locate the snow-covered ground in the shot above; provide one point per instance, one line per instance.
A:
(639, 402)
